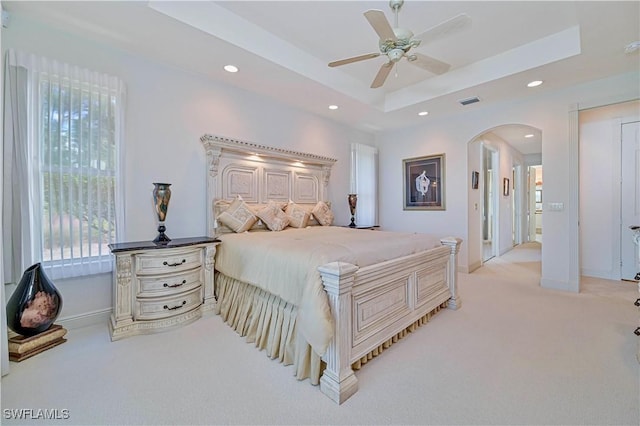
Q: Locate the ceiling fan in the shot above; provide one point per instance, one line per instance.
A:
(396, 43)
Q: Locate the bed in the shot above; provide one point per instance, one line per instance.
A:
(323, 298)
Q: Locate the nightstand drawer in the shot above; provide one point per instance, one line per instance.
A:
(168, 261)
(169, 284)
(163, 307)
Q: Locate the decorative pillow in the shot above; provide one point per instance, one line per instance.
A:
(273, 217)
(298, 216)
(238, 216)
(323, 214)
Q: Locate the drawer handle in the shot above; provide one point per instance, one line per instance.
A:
(165, 263)
(184, 302)
(175, 285)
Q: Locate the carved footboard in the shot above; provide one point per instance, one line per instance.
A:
(374, 303)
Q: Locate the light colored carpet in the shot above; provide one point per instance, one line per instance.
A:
(513, 354)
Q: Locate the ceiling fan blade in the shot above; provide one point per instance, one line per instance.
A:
(430, 64)
(453, 25)
(382, 75)
(354, 59)
(380, 24)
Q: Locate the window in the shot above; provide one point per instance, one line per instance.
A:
(73, 124)
(364, 183)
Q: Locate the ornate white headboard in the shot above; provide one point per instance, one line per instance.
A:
(260, 173)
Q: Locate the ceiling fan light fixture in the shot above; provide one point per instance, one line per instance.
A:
(395, 55)
(396, 42)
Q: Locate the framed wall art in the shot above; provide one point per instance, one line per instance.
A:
(424, 183)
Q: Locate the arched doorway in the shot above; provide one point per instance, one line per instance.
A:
(504, 200)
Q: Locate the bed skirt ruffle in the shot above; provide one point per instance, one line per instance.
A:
(269, 322)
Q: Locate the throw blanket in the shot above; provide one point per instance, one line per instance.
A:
(286, 264)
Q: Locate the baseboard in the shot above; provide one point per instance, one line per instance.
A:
(83, 320)
(505, 251)
(560, 285)
(606, 275)
(473, 267)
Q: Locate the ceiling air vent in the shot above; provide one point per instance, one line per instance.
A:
(469, 100)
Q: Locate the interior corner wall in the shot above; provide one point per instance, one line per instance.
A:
(167, 111)
(547, 111)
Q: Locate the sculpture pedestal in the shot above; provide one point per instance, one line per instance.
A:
(21, 347)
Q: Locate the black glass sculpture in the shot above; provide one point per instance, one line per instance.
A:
(35, 304)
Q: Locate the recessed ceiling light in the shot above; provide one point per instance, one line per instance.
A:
(422, 113)
(534, 83)
(230, 68)
(529, 135)
(333, 106)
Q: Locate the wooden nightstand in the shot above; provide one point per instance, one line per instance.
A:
(161, 286)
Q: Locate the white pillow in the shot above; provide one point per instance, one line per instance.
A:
(239, 217)
(298, 216)
(273, 217)
(323, 214)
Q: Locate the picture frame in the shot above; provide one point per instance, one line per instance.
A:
(475, 177)
(505, 187)
(424, 183)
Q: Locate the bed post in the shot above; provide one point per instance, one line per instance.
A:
(454, 245)
(338, 381)
(213, 161)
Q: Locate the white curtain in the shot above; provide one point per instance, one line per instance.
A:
(19, 222)
(49, 108)
(364, 183)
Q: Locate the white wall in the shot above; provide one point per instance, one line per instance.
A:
(168, 110)
(507, 157)
(547, 112)
(600, 170)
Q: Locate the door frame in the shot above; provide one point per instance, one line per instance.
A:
(620, 234)
(495, 160)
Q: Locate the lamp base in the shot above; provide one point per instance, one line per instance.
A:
(162, 237)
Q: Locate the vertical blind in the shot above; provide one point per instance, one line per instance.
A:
(73, 121)
(364, 183)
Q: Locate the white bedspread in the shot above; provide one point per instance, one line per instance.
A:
(286, 264)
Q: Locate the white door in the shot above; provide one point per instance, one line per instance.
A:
(630, 199)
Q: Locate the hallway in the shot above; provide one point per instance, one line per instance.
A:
(523, 265)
